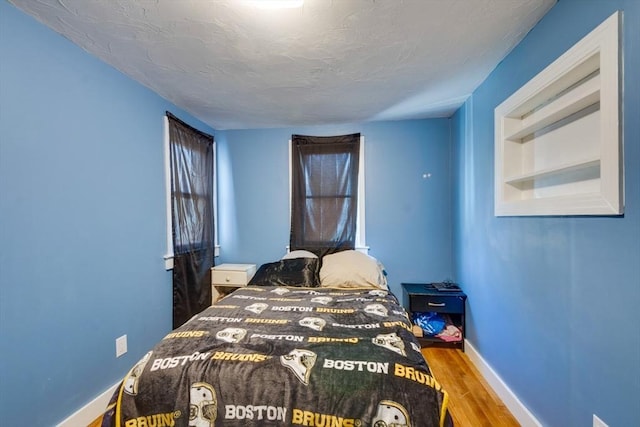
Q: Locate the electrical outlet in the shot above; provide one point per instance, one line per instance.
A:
(121, 345)
(597, 422)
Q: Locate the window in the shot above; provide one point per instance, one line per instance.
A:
(327, 193)
(193, 188)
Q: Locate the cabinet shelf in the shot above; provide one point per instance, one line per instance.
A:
(575, 100)
(557, 138)
(553, 171)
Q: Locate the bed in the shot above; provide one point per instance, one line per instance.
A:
(306, 343)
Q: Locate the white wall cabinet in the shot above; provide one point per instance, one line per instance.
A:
(558, 149)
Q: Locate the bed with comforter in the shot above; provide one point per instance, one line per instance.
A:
(287, 351)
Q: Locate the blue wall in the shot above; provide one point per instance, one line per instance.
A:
(408, 224)
(553, 301)
(82, 214)
(82, 223)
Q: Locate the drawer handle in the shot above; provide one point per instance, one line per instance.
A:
(226, 279)
(436, 304)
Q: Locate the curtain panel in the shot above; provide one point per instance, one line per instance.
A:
(324, 192)
(192, 168)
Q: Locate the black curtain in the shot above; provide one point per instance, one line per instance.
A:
(324, 192)
(192, 168)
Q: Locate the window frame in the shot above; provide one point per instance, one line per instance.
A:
(360, 243)
(169, 255)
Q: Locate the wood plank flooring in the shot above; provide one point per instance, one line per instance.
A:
(96, 423)
(471, 401)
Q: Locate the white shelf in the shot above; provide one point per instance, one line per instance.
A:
(553, 171)
(557, 139)
(577, 99)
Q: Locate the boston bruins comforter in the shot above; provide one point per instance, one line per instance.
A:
(285, 356)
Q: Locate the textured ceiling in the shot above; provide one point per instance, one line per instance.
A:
(331, 61)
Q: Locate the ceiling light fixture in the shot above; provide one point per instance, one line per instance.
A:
(275, 4)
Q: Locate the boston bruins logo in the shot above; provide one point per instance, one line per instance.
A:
(300, 362)
(391, 414)
(315, 323)
(391, 342)
(376, 309)
(257, 308)
(322, 300)
(131, 383)
(203, 405)
(231, 335)
(378, 293)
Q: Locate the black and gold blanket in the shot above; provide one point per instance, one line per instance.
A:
(279, 356)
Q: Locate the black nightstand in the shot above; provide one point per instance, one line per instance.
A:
(424, 297)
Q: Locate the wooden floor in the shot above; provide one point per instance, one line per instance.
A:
(471, 401)
(96, 422)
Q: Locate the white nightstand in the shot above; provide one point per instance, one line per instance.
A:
(225, 278)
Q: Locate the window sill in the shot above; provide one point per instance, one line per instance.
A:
(168, 259)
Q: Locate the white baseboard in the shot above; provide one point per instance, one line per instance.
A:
(508, 397)
(92, 410)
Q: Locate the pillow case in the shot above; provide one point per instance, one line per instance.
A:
(352, 269)
(300, 253)
(288, 272)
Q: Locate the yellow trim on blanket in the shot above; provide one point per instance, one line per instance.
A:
(443, 409)
(118, 414)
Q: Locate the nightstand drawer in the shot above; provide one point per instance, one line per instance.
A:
(232, 274)
(442, 304)
(229, 278)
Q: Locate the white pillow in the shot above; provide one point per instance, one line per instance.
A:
(352, 269)
(300, 254)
